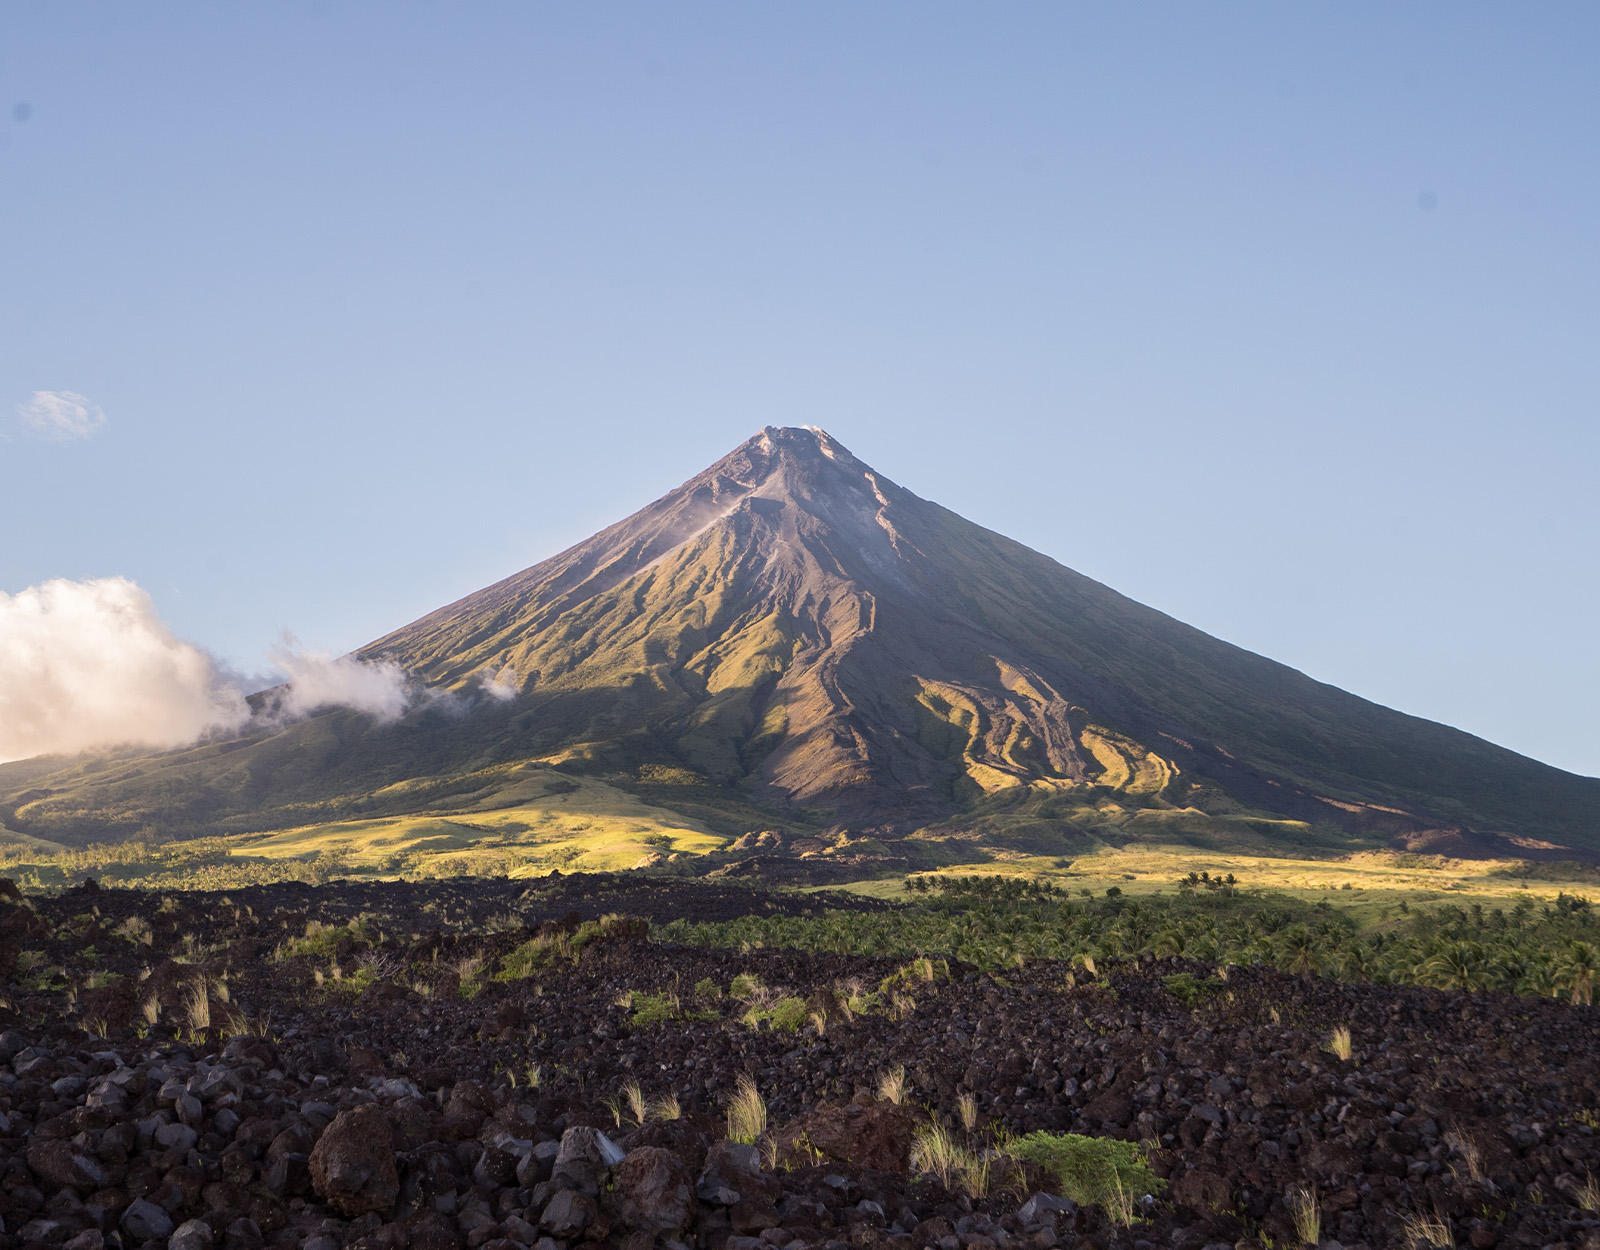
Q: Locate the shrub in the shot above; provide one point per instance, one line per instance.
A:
(651, 1009)
(787, 1014)
(1188, 989)
(1092, 1171)
(526, 959)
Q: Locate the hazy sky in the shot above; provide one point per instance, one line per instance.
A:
(1284, 319)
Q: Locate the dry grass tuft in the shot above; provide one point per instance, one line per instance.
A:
(1470, 1168)
(197, 1006)
(747, 1113)
(892, 1085)
(635, 1100)
(936, 1151)
(1339, 1043)
(1429, 1232)
(967, 1110)
(1307, 1215)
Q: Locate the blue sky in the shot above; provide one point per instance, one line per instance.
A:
(1282, 319)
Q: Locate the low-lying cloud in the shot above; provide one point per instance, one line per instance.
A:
(61, 416)
(86, 664)
(320, 681)
(91, 664)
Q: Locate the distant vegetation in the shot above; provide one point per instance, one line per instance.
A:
(995, 922)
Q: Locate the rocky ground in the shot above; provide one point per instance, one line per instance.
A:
(196, 1072)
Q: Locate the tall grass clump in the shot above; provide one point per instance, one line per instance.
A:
(1307, 1215)
(747, 1113)
(935, 1150)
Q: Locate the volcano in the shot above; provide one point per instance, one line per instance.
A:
(805, 641)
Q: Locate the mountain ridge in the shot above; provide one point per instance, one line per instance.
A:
(814, 641)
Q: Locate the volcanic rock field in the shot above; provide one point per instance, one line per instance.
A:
(483, 1064)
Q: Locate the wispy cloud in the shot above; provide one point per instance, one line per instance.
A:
(322, 681)
(62, 416)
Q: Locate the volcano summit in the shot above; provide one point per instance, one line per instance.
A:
(791, 641)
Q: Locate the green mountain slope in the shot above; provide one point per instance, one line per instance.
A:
(815, 647)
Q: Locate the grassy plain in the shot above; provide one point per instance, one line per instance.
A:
(1369, 885)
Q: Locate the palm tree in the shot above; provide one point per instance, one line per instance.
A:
(1455, 966)
(1297, 950)
(1575, 968)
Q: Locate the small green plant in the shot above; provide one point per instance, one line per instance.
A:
(356, 982)
(528, 958)
(321, 940)
(936, 1151)
(1587, 1194)
(1190, 990)
(786, 1015)
(649, 1009)
(707, 990)
(1307, 1215)
(1092, 1171)
(747, 1112)
(745, 986)
(1339, 1043)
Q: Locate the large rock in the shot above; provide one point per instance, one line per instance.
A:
(60, 1165)
(568, 1214)
(876, 1136)
(732, 1174)
(145, 1221)
(584, 1157)
(654, 1191)
(353, 1164)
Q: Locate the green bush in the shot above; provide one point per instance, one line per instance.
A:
(1092, 1171)
(651, 1009)
(707, 990)
(1189, 989)
(787, 1014)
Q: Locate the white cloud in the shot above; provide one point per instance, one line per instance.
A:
(319, 681)
(502, 687)
(91, 664)
(61, 415)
